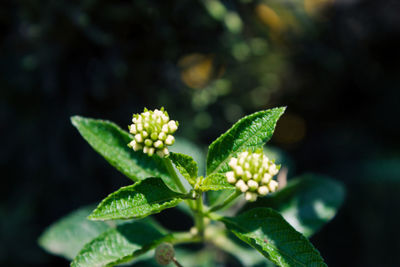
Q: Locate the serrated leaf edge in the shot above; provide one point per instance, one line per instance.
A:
(228, 132)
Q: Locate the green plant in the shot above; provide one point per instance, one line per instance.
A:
(117, 231)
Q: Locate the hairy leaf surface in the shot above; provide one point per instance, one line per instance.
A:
(186, 166)
(137, 201)
(267, 231)
(215, 182)
(111, 142)
(250, 132)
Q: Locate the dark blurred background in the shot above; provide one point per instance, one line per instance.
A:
(334, 63)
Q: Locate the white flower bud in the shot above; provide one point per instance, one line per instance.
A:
(151, 151)
(170, 140)
(162, 136)
(239, 171)
(273, 185)
(250, 196)
(165, 151)
(265, 162)
(164, 118)
(172, 126)
(266, 178)
(273, 170)
(165, 128)
(139, 138)
(158, 144)
(253, 185)
(247, 175)
(132, 129)
(132, 143)
(239, 184)
(139, 127)
(263, 190)
(246, 166)
(230, 176)
(137, 147)
(233, 162)
(146, 150)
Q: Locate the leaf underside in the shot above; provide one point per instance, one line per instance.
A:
(267, 231)
(121, 244)
(68, 235)
(307, 202)
(137, 201)
(250, 132)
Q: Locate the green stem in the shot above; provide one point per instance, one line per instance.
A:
(231, 198)
(177, 181)
(174, 176)
(184, 237)
(199, 216)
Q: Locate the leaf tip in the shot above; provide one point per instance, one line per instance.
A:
(75, 119)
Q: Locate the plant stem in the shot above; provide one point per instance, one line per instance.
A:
(176, 263)
(199, 216)
(184, 237)
(174, 176)
(232, 197)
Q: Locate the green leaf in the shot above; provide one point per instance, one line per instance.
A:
(307, 202)
(186, 166)
(137, 201)
(186, 147)
(215, 182)
(250, 132)
(267, 231)
(68, 235)
(121, 244)
(229, 243)
(111, 142)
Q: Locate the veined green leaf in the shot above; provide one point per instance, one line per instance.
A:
(68, 235)
(186, 147)
(250, 132)
(307, 202)
(137, 201)
(121, 244)
(111, 142)
(267, 231)
(186, 166)
(215, 182)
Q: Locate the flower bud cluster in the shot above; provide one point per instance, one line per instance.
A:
(252, 174)
(153, 132)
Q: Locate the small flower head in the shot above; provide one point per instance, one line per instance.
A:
(153, 132)
(251, 173)
(164, 253)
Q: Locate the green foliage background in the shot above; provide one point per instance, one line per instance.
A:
(208, 63)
